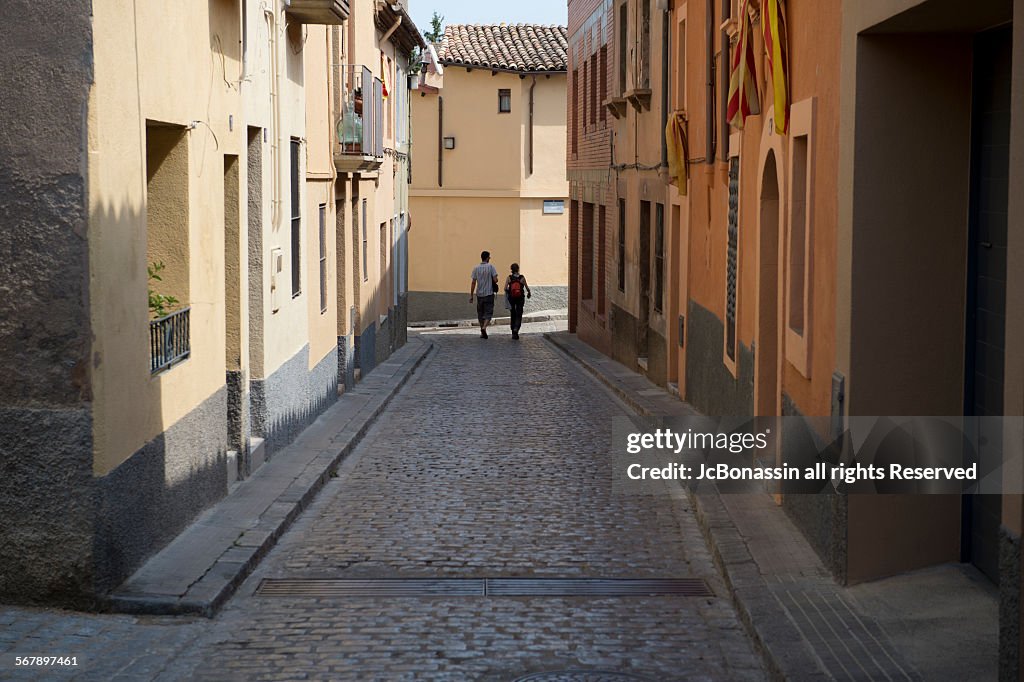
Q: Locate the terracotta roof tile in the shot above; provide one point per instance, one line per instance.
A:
(508, 47)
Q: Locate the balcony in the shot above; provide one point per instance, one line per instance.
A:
(317, 11)
(360, 122)
(169, 340)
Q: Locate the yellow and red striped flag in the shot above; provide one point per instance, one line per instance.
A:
(773, 20)
(743, 99)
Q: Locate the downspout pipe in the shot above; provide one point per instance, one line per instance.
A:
(665, 37)
(440, 141)
(529, 167)
(723, 94)
(709, 99)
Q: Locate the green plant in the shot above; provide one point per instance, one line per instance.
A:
(434, 35)
(159, 304)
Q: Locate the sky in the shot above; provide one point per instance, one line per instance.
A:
(489, 12)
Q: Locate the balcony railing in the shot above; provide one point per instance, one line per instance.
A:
(169, 340)
(360, 123)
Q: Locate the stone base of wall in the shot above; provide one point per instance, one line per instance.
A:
(69, 536)
(623, 327)
(384, 340)
(710, 386)
(426, 306)
(153, 495)
(366, 350)
(822, 518)
(1009, 605)
(347, 361)
(290, 399)
(48, 506)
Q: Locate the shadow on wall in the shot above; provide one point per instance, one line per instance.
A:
(69, 536)
(150, 497)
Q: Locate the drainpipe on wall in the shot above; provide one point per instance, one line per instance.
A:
(529, 170)
(664, 83)
(709, 99)
(440, 141)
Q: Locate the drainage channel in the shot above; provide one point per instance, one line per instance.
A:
(484, 587)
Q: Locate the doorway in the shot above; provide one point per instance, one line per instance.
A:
(766, 365)
(643, 327)
(985, 346)
(234, 368)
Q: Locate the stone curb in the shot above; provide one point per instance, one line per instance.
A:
(317, 453)
(781, 645)
(496, 322)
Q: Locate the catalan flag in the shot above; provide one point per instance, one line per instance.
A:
(743, 99)
(773, 20)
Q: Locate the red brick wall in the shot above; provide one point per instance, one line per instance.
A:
(589, 134)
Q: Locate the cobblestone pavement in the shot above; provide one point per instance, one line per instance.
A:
(491, 462)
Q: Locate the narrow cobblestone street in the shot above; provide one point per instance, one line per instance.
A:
(492, 462)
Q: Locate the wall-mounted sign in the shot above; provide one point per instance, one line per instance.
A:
(554, 207)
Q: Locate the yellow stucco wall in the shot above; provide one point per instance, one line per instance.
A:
(150, 64)
(320, 175)
(487, 198)
(182, 65)
(448, 236)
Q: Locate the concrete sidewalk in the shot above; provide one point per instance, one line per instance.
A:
(940, 623)
(199, 570)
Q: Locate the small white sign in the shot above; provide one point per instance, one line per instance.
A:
(554, 207)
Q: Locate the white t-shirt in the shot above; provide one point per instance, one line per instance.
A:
(484, 275)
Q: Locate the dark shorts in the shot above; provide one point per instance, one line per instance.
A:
(484, 307)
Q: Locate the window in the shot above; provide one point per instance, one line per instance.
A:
(594, 78)
(681, 67)
(645, 46)
(732, 253)
(504, 101)
(588, 252)
(167, 247)
(296, 219)
(601, 250)
(603, 77)
(659, 257)
(323, 258)
(574, 110)
(800, 237)
(366, 272)
(585, 85)
(383, 282)
(622, 246)
(623, 47)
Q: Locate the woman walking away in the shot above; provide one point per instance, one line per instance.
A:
(517, 291)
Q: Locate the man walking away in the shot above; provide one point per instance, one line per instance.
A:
(517, 291)
(485, 284)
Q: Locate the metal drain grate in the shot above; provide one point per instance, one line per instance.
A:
(395, 587)
(596, 587)
(480, 587)
(582, 676)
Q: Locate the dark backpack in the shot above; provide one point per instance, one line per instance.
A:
(515, 287)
